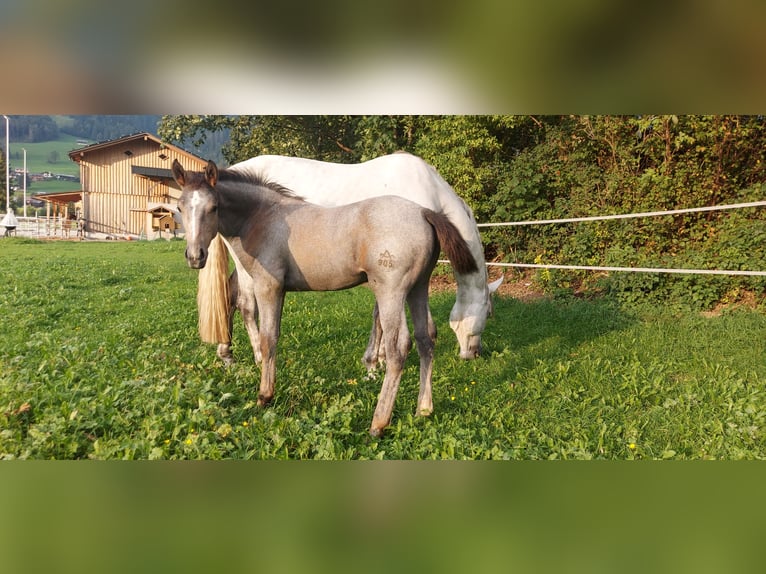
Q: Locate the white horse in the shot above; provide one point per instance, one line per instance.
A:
(402, 174)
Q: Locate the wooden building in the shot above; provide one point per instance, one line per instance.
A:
(127, 186)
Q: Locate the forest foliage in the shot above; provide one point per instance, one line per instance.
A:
(512, 168)
(41, 128)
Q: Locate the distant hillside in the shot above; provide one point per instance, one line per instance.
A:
(99, 128)
(39, 128)
(106, 127)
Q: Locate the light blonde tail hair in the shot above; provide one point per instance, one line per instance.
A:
(213, 294)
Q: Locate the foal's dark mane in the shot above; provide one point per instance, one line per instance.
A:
(233, 176)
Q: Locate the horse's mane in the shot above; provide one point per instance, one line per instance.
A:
(236, 176)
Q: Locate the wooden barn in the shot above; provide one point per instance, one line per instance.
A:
(127, 186)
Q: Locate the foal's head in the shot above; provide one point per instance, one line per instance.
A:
(199, 210)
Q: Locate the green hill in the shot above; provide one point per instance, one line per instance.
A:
(51, 156)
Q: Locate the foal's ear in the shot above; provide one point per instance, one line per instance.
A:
(178, 173)
(211, 173)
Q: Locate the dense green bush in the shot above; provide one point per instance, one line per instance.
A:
(513, 168)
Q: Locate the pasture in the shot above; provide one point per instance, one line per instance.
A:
(100, 358)
(39, 155)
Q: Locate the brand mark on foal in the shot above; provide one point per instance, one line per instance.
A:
(386, 260)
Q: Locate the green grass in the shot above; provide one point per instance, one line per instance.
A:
(99, 358)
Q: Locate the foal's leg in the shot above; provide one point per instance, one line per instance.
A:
(270, 304)
(425, 337)
(396, 338)
(224, 349)
(243, 290)
(375, 352)
(248, 307)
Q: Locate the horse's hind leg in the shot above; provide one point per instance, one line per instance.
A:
(375, 352)
(425, 338)
(396, 338)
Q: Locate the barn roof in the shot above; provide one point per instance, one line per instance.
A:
(79, 153)
(153, 207)
(62, 197)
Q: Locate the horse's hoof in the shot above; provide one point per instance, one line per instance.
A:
(263, 401)
(424, 412)
(228, 361)
(376, 432)
(372, 375)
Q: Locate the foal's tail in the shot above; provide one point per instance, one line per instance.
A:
(213, 295)
(452, 243)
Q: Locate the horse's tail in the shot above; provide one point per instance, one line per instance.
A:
(213, 295)
(452, 243)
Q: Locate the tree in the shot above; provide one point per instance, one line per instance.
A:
(33, 128)
(321, 137)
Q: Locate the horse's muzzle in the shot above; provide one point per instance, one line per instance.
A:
(473, 351)
(196, 259)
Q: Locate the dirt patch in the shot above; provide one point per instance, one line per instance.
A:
(746, 300)
(518, 285)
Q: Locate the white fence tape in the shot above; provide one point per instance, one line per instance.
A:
(729, 272)
(636, 269)
(626, 215)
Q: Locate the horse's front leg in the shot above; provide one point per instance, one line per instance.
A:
(248, 308)
(224, 349)
(425, 337)
(270, 306)
(242, 291)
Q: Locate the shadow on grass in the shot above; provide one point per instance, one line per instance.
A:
(519, 334)
(522, 333)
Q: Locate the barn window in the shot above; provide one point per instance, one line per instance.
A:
(163, 156)
(128, 153)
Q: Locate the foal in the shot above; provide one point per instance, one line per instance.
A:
(281, 243)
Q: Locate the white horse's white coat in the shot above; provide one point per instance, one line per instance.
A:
(405, 175)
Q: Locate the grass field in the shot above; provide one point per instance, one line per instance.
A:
(99, 358)
(38, 156)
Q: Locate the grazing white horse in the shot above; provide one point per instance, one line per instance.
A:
(402, 174)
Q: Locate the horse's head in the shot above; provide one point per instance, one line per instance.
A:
(198, 206)
(468, 319)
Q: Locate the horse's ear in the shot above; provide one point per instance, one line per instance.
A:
(492, 287)
(178, 173)
(211, 173)
(495, 284)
